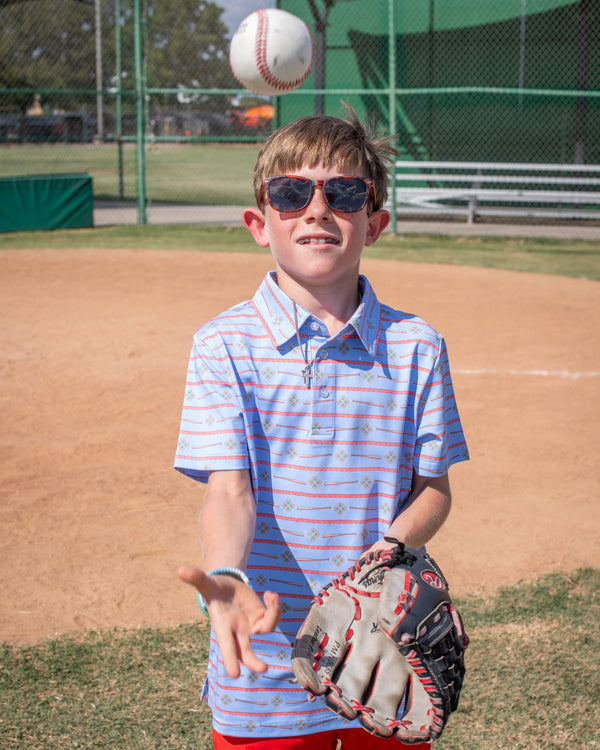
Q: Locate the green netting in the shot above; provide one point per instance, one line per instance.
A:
(466, 80)
(512, 80)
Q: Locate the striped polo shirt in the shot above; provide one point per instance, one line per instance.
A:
(331, 459)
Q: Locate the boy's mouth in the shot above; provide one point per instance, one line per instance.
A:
(318, 241)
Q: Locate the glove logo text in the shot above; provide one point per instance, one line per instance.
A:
(433, 579)
(374, 578)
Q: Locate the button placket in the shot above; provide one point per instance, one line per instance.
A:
(323, 404)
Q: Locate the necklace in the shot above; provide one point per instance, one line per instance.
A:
(306, 371)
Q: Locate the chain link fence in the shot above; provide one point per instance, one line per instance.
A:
(139, 94)
(475, 80)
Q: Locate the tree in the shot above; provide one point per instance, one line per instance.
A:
(187, 45)
(14, 101)
(50, 44)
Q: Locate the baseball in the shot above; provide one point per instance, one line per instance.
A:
(271, 52)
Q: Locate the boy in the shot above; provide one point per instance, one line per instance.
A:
(321, 420)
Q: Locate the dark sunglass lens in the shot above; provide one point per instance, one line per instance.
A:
(348, 194)
(289, 193)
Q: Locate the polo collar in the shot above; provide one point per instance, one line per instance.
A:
(276, 311)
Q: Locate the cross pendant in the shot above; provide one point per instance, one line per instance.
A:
(306, 374)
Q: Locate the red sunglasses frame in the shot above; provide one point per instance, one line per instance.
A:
(314, 183)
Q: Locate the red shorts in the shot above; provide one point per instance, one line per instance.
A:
(352, 739)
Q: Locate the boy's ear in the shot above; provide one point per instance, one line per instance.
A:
(378, 221)
(254, 221)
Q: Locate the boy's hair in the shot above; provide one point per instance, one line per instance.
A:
(346, 145)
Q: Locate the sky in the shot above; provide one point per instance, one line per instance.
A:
(236, 10)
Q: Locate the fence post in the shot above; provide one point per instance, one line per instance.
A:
(139, 112)
(392, 106)
(119, 99)
(99, 83)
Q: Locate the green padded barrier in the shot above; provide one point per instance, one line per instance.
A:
(62, 201)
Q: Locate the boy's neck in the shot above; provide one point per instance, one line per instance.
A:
(334, 307)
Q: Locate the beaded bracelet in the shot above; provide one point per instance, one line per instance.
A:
(233, 572)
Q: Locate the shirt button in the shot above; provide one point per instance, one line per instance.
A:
(324, 393)
(324, 354)
(314, 326)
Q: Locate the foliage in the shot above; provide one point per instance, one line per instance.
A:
(194, 52)
(560, 257)
(138, 689)
(60, 57)
(200, 174)
(533, 679)
(533, 668)
(51, 44)
(575, 258)
(11, 79)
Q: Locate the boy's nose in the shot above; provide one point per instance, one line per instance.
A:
(317, 205)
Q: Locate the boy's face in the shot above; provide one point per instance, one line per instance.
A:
(316, 247)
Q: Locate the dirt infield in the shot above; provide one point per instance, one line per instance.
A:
(94, 521)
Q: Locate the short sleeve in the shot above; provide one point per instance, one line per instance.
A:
(440, 441)
(212, 435)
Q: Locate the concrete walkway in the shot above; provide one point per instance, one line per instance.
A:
(106, 214)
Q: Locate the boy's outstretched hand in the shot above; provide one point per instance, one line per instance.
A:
(236, 614)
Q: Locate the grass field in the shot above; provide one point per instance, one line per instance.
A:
(533, 680)
(204, 174)
(577, 258)
(220, 174)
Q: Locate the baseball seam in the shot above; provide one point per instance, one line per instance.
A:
(261, 57)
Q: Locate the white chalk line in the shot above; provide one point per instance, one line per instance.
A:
(565, 374)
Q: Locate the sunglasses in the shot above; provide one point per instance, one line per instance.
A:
(290, 193)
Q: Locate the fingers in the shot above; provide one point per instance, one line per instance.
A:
(229, 652)
(195, 577)
(249, 659)
(236, 649)
(234, 625)
(270, 615)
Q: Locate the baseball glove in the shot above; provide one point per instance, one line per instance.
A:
(383, 643)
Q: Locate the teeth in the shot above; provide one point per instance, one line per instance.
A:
(315, 241)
